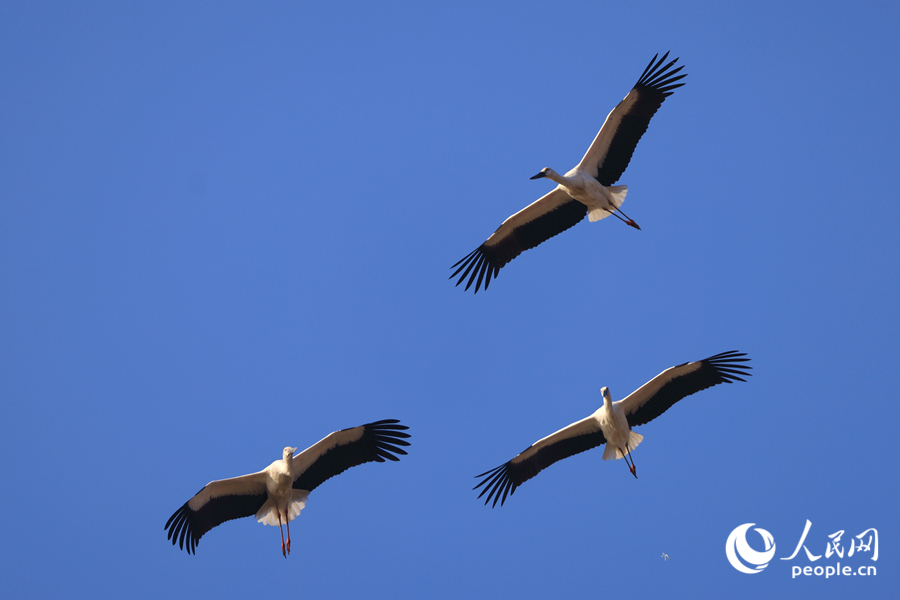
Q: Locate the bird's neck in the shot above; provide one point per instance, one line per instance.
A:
(556, 177)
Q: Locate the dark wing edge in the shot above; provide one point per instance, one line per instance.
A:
(661, 80)
(503, 480)
(380, 441)
(654, 86)
(486, 261)
(726, 367)
(188, 525)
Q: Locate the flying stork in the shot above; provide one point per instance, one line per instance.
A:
(276, 494)
(611, 423)
(586, 189)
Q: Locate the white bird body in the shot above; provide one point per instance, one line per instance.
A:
(284, 503)
(586, 189)
(611, 423)
(600, 200)
(277, 494)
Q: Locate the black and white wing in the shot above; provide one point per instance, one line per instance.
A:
(536, 223)
(217, 502)
(657, 395)
(338, 451)
(611, 151)
(503, 480)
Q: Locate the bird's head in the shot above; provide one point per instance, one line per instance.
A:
(289, 452)
(604, 391)
(544, 173)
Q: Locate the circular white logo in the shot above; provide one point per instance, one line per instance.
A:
(736, 546)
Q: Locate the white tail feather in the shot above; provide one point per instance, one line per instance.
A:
(633, 440)
(597, 214)
(267, 515)
(613, 453)
(617, 195)
(609, 453)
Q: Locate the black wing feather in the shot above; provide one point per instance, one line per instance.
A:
(379, 441)
(654, 86)
(726, 367)
(503, 480)
(188, 525)
(488, 260)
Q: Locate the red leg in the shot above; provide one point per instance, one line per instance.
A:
(287, 524)
(631, 468)
(282, 535)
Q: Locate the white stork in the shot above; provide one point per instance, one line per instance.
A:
(276, 494)
(586, 189)
(611, 423)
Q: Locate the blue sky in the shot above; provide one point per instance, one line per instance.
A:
(226, 228)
